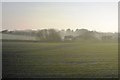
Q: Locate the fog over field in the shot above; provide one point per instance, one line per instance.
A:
(58, 35)
(59, 40)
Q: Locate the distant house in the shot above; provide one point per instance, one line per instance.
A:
(68, 38)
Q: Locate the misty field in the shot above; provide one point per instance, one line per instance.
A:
(60, 59)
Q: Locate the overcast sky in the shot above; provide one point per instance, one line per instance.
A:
(99, 16)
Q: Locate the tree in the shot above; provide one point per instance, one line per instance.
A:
(42, 34)
(4, 31)
(88, 35)
(54, 35)
(49, 35)
(105, 38)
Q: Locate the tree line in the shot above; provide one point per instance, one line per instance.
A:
(64, 35)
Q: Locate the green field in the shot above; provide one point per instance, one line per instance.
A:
(77, 59)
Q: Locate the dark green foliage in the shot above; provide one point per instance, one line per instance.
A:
(49, 35)
(53, 35)
(88, 35)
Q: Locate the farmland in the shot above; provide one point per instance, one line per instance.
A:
(59, 59)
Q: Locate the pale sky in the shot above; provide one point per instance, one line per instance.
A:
(60, 0)
(99, 16)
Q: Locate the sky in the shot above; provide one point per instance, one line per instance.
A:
(98, 16)
(60, 0)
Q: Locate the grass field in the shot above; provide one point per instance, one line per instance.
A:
(73, 60)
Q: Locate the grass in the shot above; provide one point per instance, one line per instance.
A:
(78, 59)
